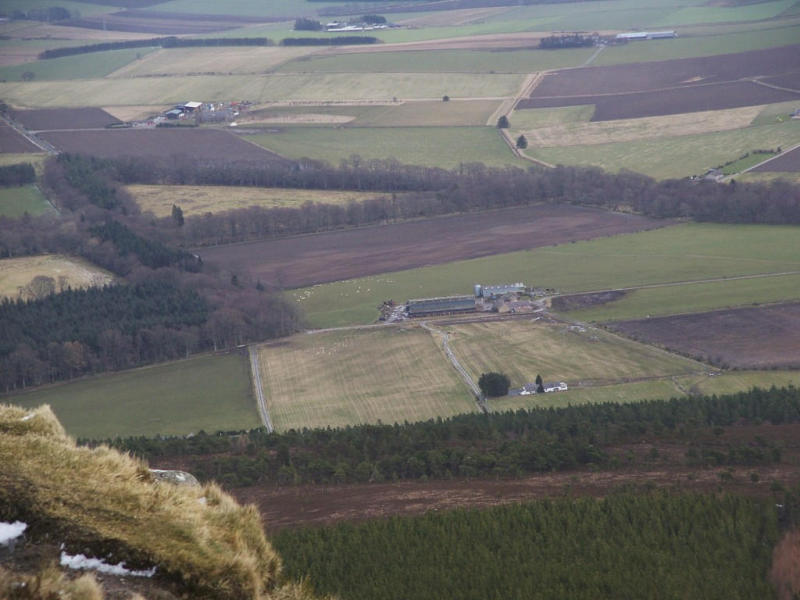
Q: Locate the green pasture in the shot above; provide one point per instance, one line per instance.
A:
(687, 252)
(83, 8)
(430, 113)
(82, 66)
(440, 147)
(776, 113)
(442, 61)
(211, 393)
(728, 382)
(745, 163)
(694, 297)
(698, 45)
(725, 14)
(676, 156)
(260, 89)
(248, 8)
(18, 200)
(455, 113)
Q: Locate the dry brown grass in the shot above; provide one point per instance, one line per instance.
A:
(48, 584)
(785, 573)
(17, 273)
(201, 199)
(627, 130)
(199, 539)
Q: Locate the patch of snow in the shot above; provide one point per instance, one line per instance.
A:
(11, 531)
(28, 417)
(79, 561)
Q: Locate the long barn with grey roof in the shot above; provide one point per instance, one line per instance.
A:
(428, 307)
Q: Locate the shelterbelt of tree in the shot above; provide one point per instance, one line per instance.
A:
(164, 306)
(436, 191)
(509, 444)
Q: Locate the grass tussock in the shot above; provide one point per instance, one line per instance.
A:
(48, 584)
(201, 541)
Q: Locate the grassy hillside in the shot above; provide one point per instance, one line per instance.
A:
(199, 540)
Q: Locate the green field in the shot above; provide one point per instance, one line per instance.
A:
(82, 66)
(211, 393)
(84, 8)
(559, 352)
(675, 156)
(273, 87)
(435, 113)
(434, 147)
(216, 60)
(687, 252)
(345, 378)
(726, 14)
(696, 297)
(271, 8)
(16, 201)
(442, 61)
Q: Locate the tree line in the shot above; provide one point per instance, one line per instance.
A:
(87, 331)
(430, 192)
(100, 222)
(511, 444)
(627, 545)
(573, 40)
(343, 40)
(18, 174)
(162, 42)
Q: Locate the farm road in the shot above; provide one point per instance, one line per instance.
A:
(260, 401)
(461, 370)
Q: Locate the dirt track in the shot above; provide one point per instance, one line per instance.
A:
(788, 162)
(333, 256)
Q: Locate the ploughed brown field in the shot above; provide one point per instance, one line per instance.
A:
(13, 143)
(293, 506)
(63, 118)
(198, 144)
(333, 256)
(674, 86)
(747, 338)
(788, 162)
(672, 101)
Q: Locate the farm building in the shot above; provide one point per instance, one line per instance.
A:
(175, 113)
(493, 291)
(645, 35)
(191, 106)
(428, 307)
(555, 387)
